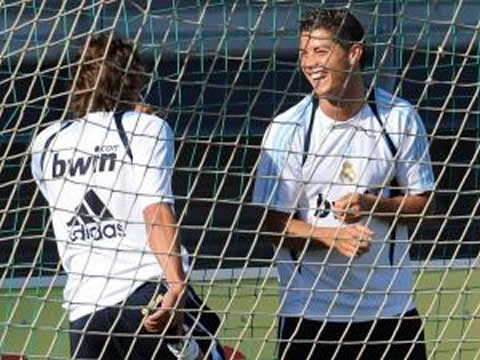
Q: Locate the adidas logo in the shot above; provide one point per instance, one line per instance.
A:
(93, 221)
(81, 165)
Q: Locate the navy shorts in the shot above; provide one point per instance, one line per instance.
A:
(117, 332)
(396, 338)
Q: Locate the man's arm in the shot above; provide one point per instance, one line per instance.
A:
(162, 238)
(407, 208)
(348, 240)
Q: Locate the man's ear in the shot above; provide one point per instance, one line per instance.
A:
(144, 108)
(355, 54)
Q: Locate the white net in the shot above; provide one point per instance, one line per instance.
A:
(220, 71)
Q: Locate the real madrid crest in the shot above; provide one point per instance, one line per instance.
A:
(348, 175)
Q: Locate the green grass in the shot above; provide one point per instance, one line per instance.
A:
(451, 302)
(34, 323)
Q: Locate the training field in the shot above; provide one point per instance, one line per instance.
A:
(220, 73)
(32, 323)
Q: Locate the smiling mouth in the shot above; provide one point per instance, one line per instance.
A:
(317, 78)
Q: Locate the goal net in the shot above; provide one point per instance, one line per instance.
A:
(219, 72)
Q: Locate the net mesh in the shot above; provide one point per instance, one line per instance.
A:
(219, 72)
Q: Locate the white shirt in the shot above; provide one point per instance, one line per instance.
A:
(97, 187)
(344, 157)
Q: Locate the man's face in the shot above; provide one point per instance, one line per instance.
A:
(325, 63)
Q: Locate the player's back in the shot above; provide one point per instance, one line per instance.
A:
(99, 157)
(98, 174)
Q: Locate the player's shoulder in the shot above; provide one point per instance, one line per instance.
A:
(397, 113)
(142, 124)
(46, 135)
(288, 121)
(296, 113)
(388, 102)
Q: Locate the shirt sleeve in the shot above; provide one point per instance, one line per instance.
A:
(414, 168)
(38, 158)
(35, 168)
(278, 177)
(153, 163)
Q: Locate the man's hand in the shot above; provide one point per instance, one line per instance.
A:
(168, 313)
(351, 207)
(351, 240)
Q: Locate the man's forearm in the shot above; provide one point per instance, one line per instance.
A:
(296, 234)
(292, 233)
(407, 208)
(168, 255)
(162, 238)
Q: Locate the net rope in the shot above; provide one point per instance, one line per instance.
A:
(219, 71)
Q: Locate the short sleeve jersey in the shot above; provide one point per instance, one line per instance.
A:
(98, 176)
(344, 157)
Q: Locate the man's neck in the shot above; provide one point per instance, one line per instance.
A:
(346, 105)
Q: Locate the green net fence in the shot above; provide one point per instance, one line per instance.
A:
(219, 71)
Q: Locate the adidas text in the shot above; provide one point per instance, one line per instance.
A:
(97, 231)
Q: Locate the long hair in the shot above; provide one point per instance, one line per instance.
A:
(110, 76)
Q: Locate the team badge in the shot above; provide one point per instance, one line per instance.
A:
(348, 175)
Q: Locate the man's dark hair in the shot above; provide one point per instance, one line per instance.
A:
(121, 76)
(345, 27)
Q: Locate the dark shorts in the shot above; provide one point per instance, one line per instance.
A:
(397, 338)
(118, 333)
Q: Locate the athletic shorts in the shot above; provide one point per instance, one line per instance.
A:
(395, 338)
(117, 332)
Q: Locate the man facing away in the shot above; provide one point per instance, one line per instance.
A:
(107, 178)
(327, 177)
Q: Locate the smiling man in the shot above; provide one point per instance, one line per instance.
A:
(340, 175)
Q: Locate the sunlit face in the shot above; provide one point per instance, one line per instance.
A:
(325, 63)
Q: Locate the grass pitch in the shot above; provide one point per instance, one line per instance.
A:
(33, 322)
